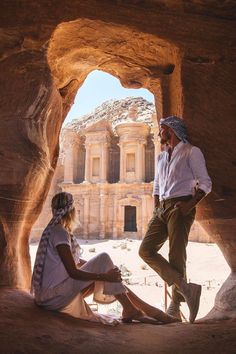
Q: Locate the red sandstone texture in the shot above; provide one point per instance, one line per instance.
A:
(24, 328)
(183, 52)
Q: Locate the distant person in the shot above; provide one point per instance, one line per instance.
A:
(181, 182)
(61, 279)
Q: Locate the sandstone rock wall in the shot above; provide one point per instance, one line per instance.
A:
(182, 52)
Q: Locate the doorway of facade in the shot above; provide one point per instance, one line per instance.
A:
(130, 219)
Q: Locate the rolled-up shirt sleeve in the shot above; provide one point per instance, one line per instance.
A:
(156, 180)
(198, 167)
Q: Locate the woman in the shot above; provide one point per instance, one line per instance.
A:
(61, 280)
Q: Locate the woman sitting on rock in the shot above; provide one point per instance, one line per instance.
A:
(61, 280)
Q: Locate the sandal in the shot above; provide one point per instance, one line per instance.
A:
(140, 318)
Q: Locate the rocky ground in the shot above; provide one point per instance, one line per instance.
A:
(25, 328)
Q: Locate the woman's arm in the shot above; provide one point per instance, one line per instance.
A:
(81, 262)
(67, 259)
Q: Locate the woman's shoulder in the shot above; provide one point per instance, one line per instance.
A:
(59, 235)
(59, 231)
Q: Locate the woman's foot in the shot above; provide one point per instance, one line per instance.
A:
(138, 316)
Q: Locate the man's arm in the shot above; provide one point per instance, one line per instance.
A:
(198, 166)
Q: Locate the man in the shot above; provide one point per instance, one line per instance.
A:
(181, 182)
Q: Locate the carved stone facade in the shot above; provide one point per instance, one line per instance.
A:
(108, 166)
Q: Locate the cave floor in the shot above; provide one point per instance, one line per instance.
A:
(24, 328)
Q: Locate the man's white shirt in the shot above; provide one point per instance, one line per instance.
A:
(185, 171)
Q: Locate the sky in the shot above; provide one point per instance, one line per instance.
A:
(98, 88)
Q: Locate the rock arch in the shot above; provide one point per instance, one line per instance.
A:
(178, 53)
(136, 59)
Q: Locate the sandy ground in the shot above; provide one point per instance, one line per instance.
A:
(206, 266)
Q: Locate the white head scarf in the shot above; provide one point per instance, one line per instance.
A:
(177, 125)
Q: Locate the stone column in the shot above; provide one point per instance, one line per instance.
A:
(115, 218)
(70, 141)
(86, 216)
(121, 220)
(104, 162)
(144, 216)
(122, 172)
(140, 160)
(139, 218)
(87, 173)
(103, 215)
(68, 163)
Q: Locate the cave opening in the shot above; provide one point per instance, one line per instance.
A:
(102, 161)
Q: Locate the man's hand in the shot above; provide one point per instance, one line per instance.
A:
(156, 201)
(113, 275)
(186, 206)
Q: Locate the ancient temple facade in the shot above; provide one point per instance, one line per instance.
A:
(107, 163)
(110, 180)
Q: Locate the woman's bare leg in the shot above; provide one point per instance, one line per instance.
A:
(129, 309)
(134, 307)
(132, 313)
(88, 291)
(149, 310)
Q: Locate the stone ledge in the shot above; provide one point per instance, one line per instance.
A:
(24, 328)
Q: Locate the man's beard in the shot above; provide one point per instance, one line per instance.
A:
(165, 139)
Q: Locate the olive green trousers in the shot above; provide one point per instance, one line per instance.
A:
(168, 222)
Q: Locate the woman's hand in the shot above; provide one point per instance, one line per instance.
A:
(81, 262)
(113, 275)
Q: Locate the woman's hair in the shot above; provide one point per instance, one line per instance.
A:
(60, 201)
